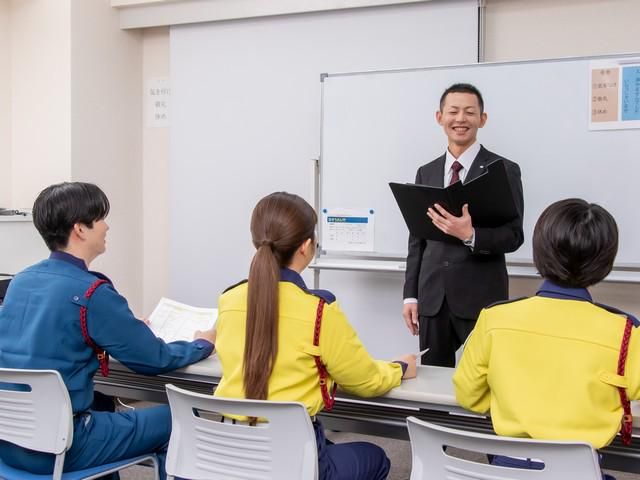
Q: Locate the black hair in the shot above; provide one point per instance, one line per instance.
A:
(575, 243)
(463, 88)
(59, 207)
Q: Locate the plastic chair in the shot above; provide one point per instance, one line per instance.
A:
(205, 448)
(42, 420)
(562, 460)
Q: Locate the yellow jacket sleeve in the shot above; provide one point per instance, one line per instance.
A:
(470, 378)
(348, 362)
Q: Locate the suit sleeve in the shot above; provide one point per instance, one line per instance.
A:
(113, 327)
(470, 378)
(508, 237)
(348, 362)
(414, 259)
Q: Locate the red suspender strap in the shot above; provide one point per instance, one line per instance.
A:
(103, 356)
(627, 418)
(327, 398)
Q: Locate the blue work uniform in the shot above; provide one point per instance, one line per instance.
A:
(40, 329)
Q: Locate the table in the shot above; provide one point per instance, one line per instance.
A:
(429, 397)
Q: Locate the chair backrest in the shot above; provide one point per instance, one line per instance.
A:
(562, 460)
(39, 416)
(202, 447)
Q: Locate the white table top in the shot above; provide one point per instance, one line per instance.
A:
(432, 387)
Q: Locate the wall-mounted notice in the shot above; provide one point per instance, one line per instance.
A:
(614, 95)
(348, 230)
(630, 93)
(157, 94)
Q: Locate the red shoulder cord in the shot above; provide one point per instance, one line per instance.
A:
(103, 356)
(328, 399)
(627, 418)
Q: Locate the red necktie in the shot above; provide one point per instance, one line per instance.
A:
(455, 168)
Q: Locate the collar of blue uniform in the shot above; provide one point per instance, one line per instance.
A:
(552, 290)
(291, 276)
(78, 262)
(67, 257)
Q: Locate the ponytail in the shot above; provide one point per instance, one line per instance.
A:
(261, 340)
(280, 223)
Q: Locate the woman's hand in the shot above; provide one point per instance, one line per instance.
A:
(410, 360)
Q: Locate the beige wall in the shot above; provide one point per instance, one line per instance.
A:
(106, 132)
(5, 105)
(526, 29)
(40, 96)
(75, 114)
(155, 184)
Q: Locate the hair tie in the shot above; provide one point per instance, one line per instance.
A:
(267, 243)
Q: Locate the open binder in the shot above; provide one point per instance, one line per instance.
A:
(491, 202)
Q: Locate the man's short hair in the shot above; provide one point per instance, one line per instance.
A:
(463, 88)
(575, 243)
(59, 207)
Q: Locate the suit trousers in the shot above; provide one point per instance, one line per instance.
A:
(443, 334)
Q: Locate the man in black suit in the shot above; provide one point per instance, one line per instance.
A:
(447, 284)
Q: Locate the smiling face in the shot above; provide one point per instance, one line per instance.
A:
(461, 117)
(97, 237)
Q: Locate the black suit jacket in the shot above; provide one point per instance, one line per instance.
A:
(469, 279)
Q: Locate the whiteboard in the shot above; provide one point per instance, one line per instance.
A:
(379, 127)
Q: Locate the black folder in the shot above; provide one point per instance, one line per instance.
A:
(491, 202)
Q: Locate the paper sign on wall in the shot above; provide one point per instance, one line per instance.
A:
(348, 230)
(157, 94)
(614, 95)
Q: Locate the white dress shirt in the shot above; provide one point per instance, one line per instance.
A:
(466, 159)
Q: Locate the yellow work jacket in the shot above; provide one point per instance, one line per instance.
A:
(546, 367)
(295, 376)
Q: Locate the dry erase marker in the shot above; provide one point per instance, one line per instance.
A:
(421, 352)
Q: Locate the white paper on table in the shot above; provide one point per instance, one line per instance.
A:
(173, 321)
(348, 229)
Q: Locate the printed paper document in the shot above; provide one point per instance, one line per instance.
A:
(173, 321)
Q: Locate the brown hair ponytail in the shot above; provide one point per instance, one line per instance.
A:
(280, 223)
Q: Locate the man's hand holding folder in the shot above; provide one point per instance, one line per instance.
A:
(444, 214)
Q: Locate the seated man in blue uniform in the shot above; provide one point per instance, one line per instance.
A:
(60, 315)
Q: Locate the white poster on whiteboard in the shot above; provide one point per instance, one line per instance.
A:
(348, 230)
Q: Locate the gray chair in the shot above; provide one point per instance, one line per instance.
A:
(39, 417)
(201, 447)
(562, 460)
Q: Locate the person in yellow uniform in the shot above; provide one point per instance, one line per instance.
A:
(546, 367)
(265, 337)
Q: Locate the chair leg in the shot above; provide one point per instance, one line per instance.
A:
(58, 466)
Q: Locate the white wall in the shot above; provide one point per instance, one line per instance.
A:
(5, 105)
(106, 132)
(40, 96)
(523, 29)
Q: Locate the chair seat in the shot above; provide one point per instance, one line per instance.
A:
(10, 473)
